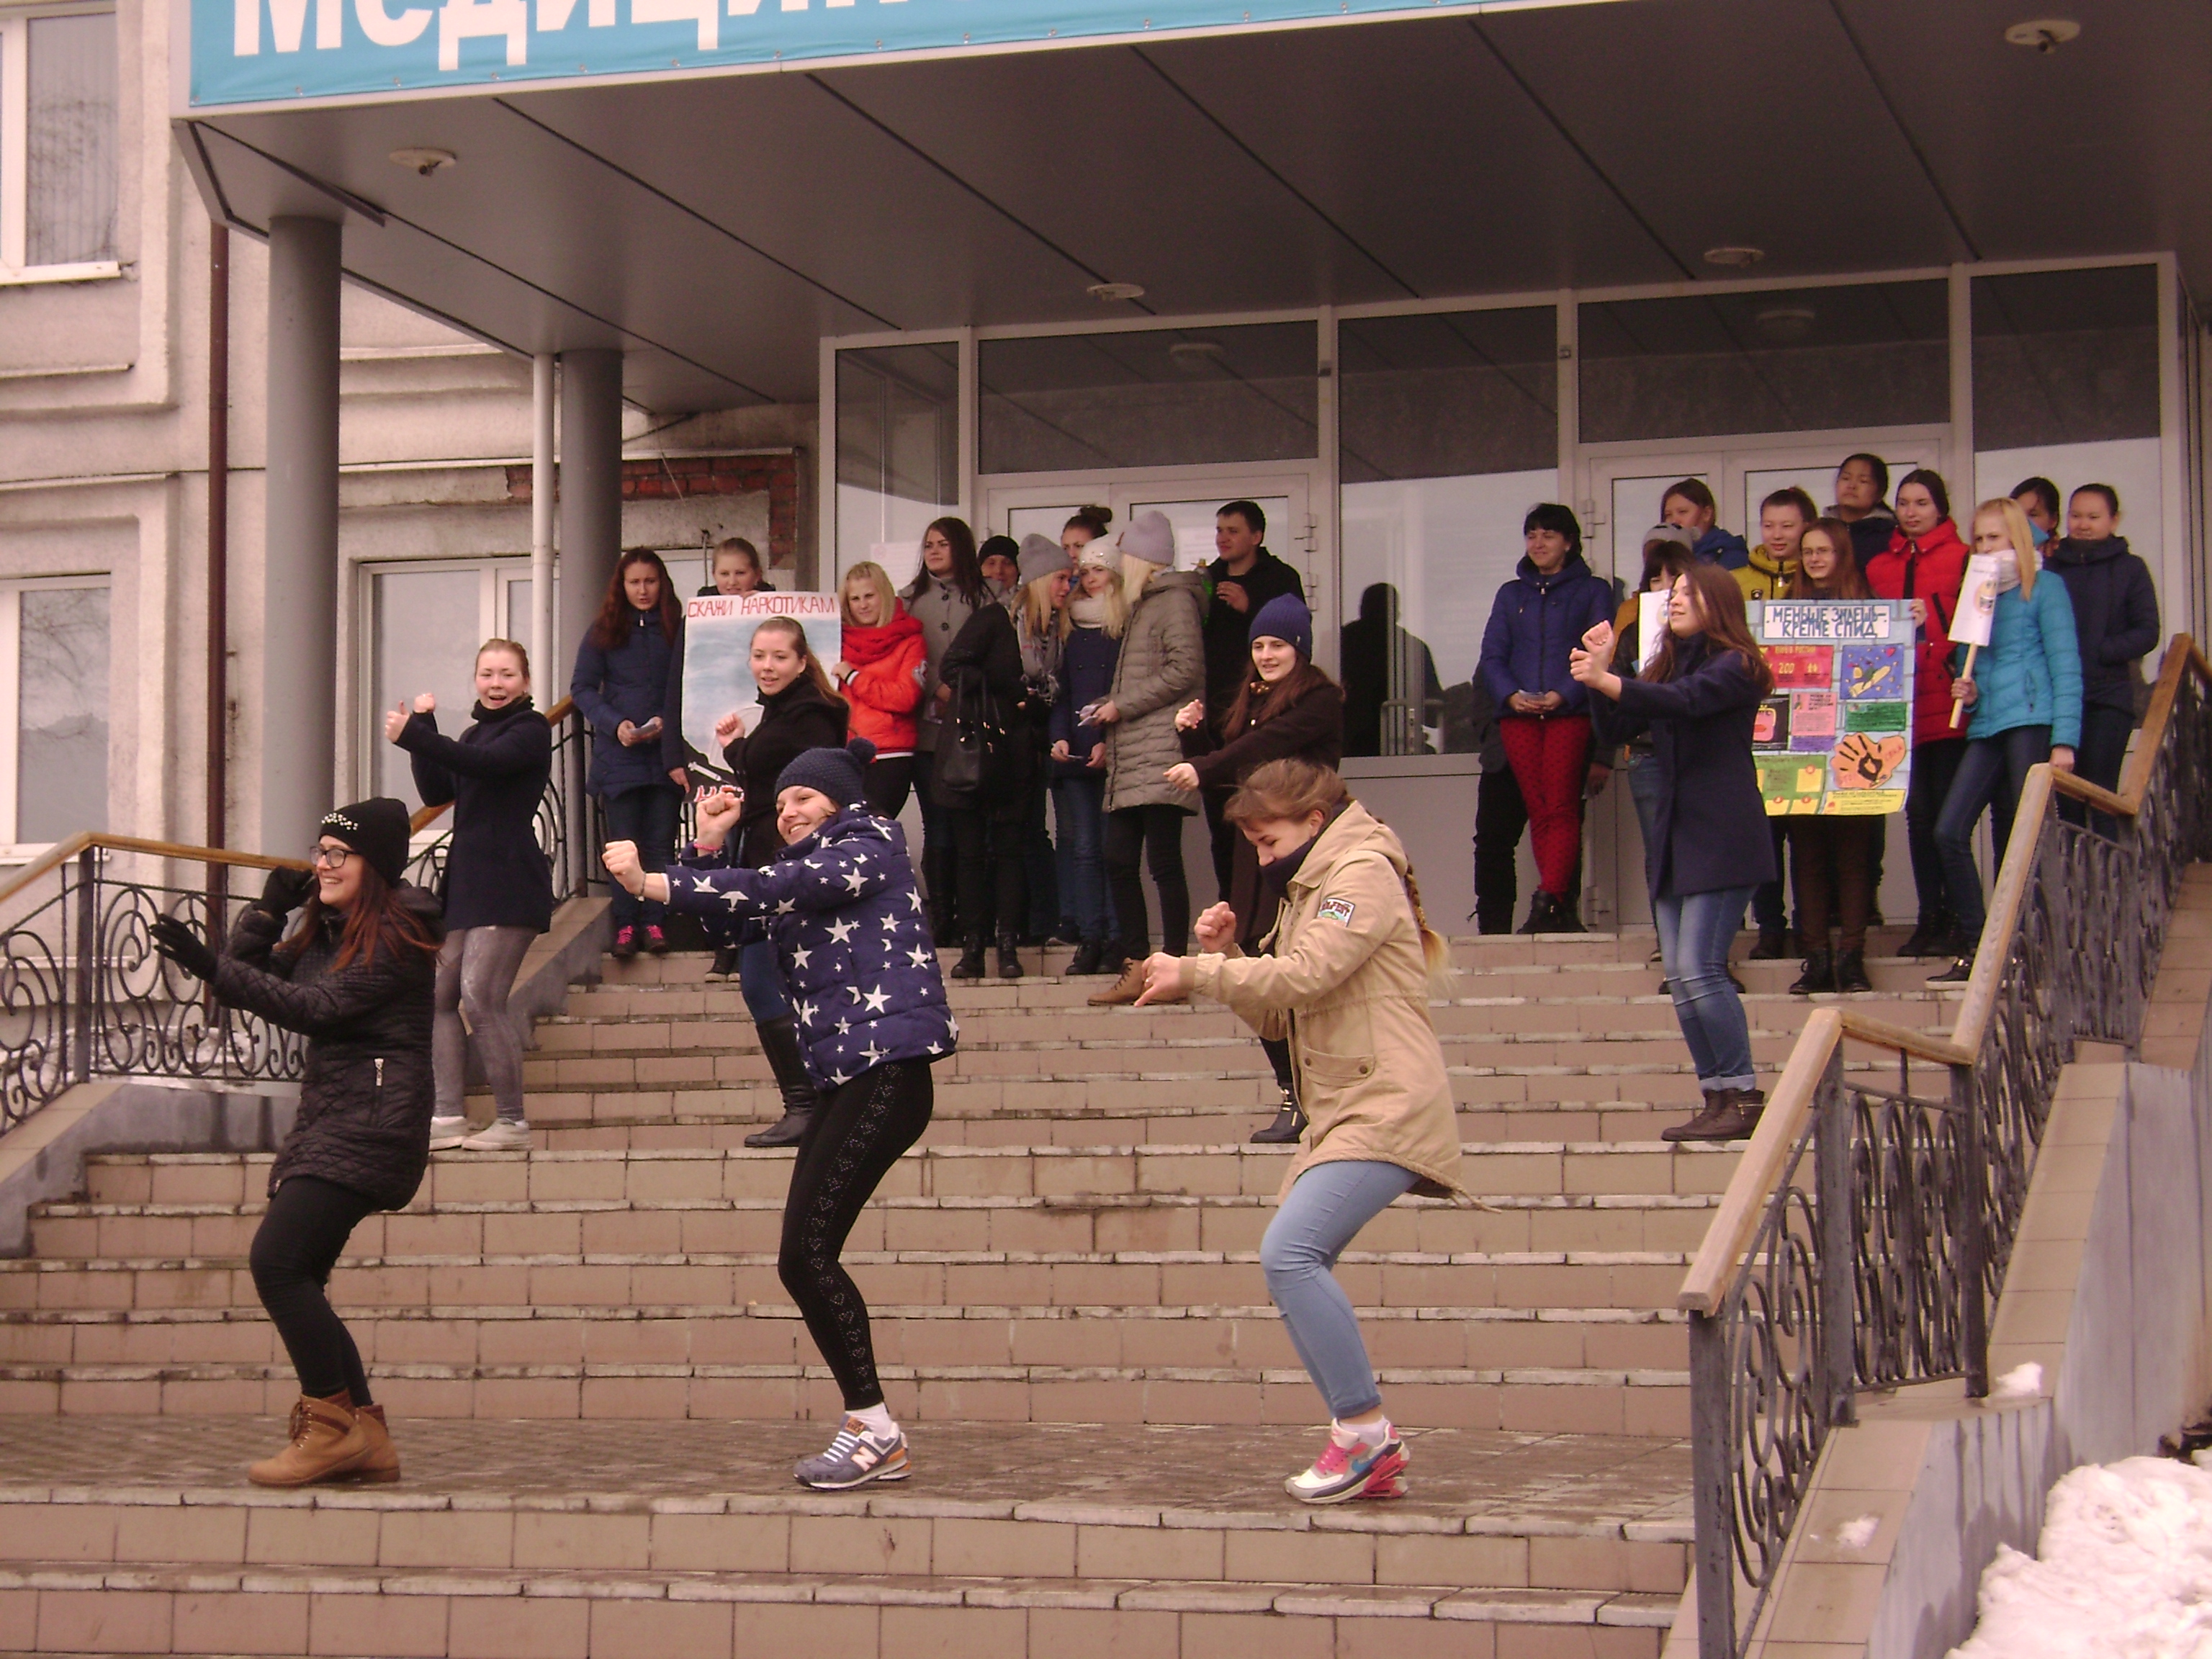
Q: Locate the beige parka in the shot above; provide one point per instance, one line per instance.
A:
(1348, 985)
(1161, 666)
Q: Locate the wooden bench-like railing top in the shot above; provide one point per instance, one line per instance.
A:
(1790, 1103)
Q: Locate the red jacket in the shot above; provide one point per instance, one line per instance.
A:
(884, 687)
(1931, 569)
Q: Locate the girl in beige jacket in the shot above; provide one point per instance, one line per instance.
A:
(1354, 964)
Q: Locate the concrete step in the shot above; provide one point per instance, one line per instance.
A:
(557, 1539)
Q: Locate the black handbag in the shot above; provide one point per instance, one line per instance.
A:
(971, 744)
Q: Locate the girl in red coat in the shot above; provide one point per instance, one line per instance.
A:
(880, 672)
(1925, 563)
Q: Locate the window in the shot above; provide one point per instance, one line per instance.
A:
(899, 451)
(1448, 434)
(53, 669)
(1780, 360)
(57, 146)
(425, 623)
(1187, 397)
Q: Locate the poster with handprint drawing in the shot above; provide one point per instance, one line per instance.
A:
(1842, 706)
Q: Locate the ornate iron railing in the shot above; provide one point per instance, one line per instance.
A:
(1863, 1241)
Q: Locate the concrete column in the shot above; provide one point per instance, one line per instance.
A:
(591, 498)
(300, 588)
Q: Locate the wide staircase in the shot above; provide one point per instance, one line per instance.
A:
(599, 1385)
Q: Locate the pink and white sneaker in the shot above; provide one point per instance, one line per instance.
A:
(1343, 1472)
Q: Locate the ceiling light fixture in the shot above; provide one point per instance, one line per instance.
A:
(2045, 34)
(1738, 257)
(425, 161)
(1197, 356)
(1786, 325)
(1112, 291)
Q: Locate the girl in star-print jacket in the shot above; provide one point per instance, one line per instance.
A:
(850, 936)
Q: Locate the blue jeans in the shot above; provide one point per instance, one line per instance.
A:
(760, 976)
(1644, 788)
(1695, 931)
(1991, 774)
(1324, 1211)
(648, 816)
(1079, 806)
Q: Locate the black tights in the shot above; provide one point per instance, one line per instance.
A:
(308, 1224)
(858, 1132)
(989, 864)
(1156, 834)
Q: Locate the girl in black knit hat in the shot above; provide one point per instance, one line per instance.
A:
(355, 976)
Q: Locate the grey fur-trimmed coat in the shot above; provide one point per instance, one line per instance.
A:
(1161, 666)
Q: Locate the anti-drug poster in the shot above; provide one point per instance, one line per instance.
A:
(718, 641)
(1835, 734)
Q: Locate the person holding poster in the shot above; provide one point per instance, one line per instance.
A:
(1667, 555)
(2024, 689)
(1699, 696)
(1831, 853)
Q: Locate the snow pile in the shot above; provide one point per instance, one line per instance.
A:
(2126, 1573)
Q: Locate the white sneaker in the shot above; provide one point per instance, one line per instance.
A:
(501, 1136)
(447, 1133)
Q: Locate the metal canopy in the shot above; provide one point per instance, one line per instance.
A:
(715, 227)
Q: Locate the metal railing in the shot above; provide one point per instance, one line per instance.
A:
(1863, 1241)
(84, 996)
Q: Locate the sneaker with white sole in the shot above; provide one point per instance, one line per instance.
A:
(447, 1133)
(505, 1135)
(855, 1457)
(1359, 1470)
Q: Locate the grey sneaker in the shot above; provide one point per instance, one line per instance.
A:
(503, 1135)
(447, 1133)
(854, 1458)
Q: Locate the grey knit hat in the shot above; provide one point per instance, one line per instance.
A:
(1150, 538)
(832, 772)
(1041, 559)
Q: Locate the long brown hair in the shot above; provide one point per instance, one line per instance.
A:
(1724, 625)
(1848, 581)
(378, 914)
(1295, 789)
(1256, 700)
(613, 621)
(807, 660)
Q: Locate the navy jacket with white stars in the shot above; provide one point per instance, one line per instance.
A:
(850, 937)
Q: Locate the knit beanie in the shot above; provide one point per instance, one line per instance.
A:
(1097, 553)
(1285, 617)
(378, 829)
(1151, 537)
(1041, 559)
(832, 772)
(993, 546)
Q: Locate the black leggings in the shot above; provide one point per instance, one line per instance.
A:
(1155, 833)
(858, 1132)
(308, 1224)
(989, 860)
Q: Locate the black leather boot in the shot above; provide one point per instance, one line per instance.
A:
(1290, 1123)
(1850, 971)
(972, 963)
(1090, 958)
(1820, 975)
(1009, 961)
(779, 1042)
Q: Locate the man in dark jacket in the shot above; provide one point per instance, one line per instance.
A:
(1241, 581)
(2115, 622)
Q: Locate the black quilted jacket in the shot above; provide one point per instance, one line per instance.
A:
(365, 1100)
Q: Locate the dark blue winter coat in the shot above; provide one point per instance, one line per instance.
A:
(627, 682)
(494, 772)
(1723, 548)
(1086, 674)
(2115, 615)
(850, 939)
(1535, 622)
(1710, 830)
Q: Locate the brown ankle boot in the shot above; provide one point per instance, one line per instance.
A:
(1124, 990)
(327, 1443)
(1716, 1101)
(382, 1462)
(1737, 1120)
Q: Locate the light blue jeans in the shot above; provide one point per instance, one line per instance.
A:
(1695, 932)
(1324, 1211)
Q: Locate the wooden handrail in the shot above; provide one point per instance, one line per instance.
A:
(424, 816)
(62, 852)
(1790, 1104)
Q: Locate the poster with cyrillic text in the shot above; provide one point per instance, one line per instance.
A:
(1835, 735)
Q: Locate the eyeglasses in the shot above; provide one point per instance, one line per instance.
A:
(329, 857)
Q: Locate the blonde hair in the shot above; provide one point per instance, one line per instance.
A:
(1115, 599)
(877, 577)
(1293, 788)
(510, 646)
(2016, 532)
(1040, 616)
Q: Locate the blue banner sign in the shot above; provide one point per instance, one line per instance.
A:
(264, 52)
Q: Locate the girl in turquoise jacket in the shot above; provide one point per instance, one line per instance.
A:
(2025, 694)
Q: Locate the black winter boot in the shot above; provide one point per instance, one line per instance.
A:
(1090, 958)
(972, 963)
(1543, 910)
(1850, 971)
(1820, 975)
(779, 1042)
(1009, 961)
(1771, 945)
(1290, 1123)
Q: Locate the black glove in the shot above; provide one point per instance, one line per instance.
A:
(285, 891)
(178, 942)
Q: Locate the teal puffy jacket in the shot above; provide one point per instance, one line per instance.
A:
(2030, 673)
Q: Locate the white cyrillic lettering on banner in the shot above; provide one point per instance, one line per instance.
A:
(553, 15)
(385, 30)
(330, 25)
(245, 28)
(287, 22)
(743, 7)
(706, 12)
(471, 20)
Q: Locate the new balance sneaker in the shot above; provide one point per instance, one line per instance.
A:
(1359, 1470)
(504, 1135)
(854, 1458)
(447, 1133)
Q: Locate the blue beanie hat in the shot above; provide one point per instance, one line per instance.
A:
(1285, 617)
(832, 772)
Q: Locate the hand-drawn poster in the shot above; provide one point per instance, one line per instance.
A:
(718, 639)
(1836, 733)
